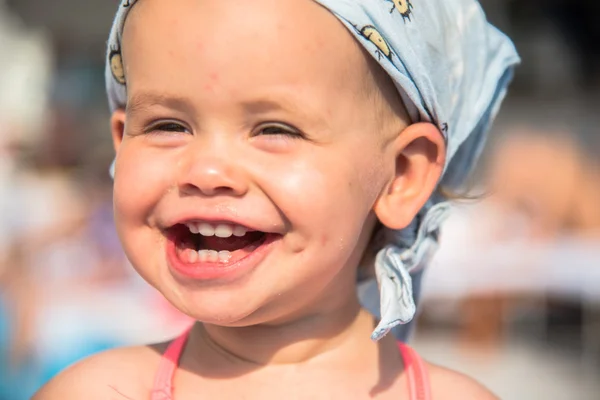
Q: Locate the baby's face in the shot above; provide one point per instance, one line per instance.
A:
(246, 116)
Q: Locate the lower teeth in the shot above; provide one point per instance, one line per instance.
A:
(213, 256)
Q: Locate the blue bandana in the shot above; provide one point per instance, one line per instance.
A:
(451, 68)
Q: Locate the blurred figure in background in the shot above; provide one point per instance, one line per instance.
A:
(24, 80)
(546, 178)
(542, 198)
(54, 232)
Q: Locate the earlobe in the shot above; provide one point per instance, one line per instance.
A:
(420, 154)
(117, 127)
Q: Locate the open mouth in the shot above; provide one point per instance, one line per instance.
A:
(204, 243)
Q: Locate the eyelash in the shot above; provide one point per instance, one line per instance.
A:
(281, 130)
(169, 127)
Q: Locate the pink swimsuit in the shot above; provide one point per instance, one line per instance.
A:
(416, 372)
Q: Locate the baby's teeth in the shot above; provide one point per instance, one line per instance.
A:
(203, 255)
(213, 256)
(223, 231)
(239, 231)
(224, 256)
(192, 256)
(193, 228)
(206, 229)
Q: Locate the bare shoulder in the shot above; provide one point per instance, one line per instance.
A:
(119, 374)
(447, 384)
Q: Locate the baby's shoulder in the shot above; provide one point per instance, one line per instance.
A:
(119, 374)
(447, 384)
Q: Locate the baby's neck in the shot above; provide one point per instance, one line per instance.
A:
(302, 341)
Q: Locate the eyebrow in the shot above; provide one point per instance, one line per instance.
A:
(282, 103)
(266, 105)
(140, 101)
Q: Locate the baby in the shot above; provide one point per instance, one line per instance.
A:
(265, 149)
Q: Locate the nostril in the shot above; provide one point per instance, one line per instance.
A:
(223, 189)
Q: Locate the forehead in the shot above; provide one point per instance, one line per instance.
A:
(238, 44)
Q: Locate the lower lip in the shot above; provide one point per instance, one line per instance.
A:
(215, 271)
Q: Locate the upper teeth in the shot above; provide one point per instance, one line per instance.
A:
(219, 230)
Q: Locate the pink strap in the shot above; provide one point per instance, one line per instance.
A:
(416, 373)
(163, 382)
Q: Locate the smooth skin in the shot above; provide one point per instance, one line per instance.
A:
(242, 110)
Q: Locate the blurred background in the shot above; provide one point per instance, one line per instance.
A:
(512, 298)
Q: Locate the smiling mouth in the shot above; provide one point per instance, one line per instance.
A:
(203, 243)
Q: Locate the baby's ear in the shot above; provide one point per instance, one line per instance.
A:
(420, 154)
(117, 127)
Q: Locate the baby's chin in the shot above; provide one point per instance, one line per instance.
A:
(225, 311)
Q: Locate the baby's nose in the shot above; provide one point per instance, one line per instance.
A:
(212, 174)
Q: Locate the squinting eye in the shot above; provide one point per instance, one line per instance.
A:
(271, 130)
(167, 127)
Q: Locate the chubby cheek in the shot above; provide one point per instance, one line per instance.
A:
(142, 177)
(327, 202)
